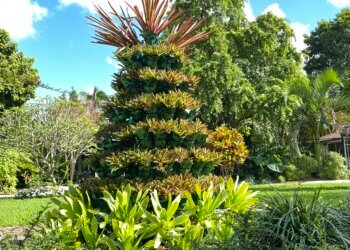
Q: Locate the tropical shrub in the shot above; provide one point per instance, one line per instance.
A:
(138, 220)
(231, 143)
(334, 168)
(13, 163)
(293, 173)
(308, 165)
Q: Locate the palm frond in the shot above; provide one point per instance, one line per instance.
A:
(326, 82)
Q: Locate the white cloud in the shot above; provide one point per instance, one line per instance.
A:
(276, 10)
(248, 11)
(89, 90)
(18, 17)
(89, 4)
(112, 62)
(340, 3)
(300, 30)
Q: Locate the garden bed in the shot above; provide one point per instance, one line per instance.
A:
(19, 212)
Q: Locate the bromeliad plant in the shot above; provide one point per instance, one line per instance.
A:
(144, 221)
(151, 23)
(154, 113)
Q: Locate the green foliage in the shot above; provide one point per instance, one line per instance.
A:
(149, 80)
(270, 38)
(11, 162)
(171, 106)
(294, 173)
(152, 56)
(334, 168)
(163, 134)
(18, 78)
(53, 133)
(247, 91)
(329, 34)
(286, 223)
(164, 162)
(131, 224)
(322, 107)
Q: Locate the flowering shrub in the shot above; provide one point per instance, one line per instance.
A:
(231, 143)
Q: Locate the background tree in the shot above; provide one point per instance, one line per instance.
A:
(240, 64)
(18, 78)
(245, 68)
(323, 108)
(328, 46)
(94, 101)
(54, 133)
(212, 62)
(97, 98)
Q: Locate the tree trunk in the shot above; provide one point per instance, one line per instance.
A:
(73, 162)
(295, 139)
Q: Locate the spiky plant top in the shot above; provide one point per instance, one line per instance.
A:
(153, 130)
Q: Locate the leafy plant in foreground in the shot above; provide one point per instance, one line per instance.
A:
(286, 222)
(145, 221)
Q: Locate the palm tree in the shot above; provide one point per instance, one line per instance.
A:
(321, 108)
(97, 98)
(94, 101)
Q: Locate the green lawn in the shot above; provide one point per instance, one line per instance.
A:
(335, 192)
(16, 212)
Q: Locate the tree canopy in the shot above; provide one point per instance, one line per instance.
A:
(328, 46)
(18, 78)
(54, 133)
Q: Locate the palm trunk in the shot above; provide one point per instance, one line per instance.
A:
(295, 139)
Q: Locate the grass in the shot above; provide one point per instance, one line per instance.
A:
(334, 192)
(19, 212)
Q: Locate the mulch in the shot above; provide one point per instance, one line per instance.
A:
(15, 233)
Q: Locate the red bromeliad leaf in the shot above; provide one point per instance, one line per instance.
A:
(182, 35)
(110, 33)
(152, 21)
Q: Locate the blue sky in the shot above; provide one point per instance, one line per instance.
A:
(56, 34)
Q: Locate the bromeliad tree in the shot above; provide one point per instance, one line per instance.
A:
(18, 78)
(153, 130)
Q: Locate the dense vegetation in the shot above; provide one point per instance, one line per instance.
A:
(196, 103)
(18, 78)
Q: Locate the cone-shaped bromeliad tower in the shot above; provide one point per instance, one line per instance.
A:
(153, 131)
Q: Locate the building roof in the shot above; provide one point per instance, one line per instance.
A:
(330, 137)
